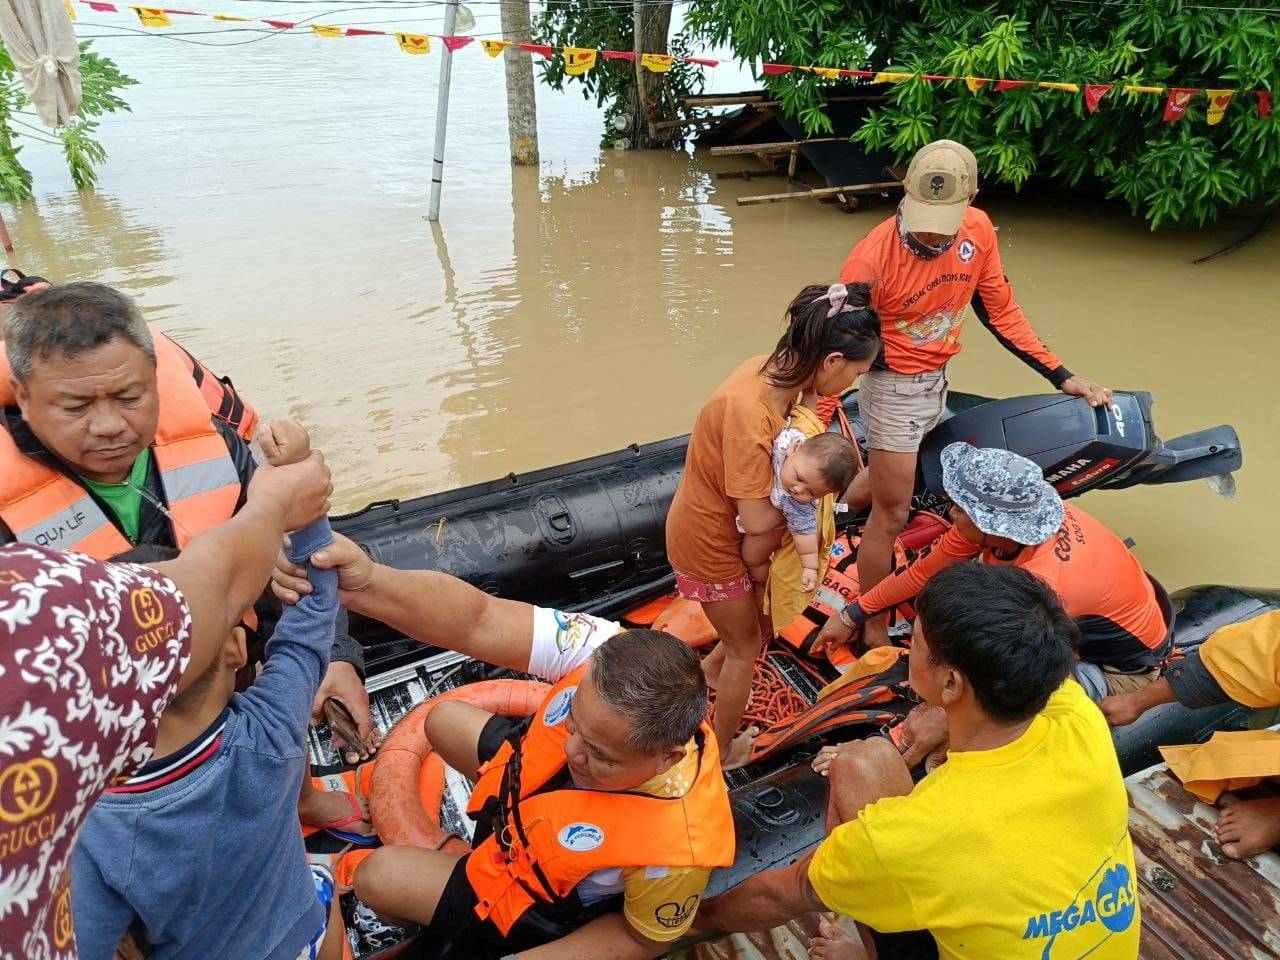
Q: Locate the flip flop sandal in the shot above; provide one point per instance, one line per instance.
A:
(355, 784)
(334, 827)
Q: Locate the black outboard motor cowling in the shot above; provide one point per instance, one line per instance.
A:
(1083, 448)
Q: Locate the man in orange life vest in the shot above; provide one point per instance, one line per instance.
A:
(612, 798)
(112, 435)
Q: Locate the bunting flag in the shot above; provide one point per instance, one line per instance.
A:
(657, 62)
(1176, 105)
(1093, 94)
(153, 16)
(578, 60)
(414, 43)
(1218, 100)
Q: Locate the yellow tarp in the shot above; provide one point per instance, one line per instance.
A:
(1232, 760)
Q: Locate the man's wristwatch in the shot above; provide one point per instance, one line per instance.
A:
(852, 615)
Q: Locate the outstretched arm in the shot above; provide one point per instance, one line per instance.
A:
(430, 607)
(223, 570)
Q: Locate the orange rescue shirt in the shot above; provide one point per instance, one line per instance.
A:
(1099, 580)
(921, 302)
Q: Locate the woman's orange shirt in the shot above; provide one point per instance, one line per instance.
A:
(729, 459)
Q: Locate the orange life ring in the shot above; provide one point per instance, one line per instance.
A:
(408, 781)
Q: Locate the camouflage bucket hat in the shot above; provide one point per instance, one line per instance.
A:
(1005, 494)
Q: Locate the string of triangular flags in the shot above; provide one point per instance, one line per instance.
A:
(578, 60)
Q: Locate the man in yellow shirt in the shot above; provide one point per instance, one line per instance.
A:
(1018, 845)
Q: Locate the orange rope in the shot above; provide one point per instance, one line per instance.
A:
(772, 699)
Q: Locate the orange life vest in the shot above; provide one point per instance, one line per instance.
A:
(41, 504)
(550, 840)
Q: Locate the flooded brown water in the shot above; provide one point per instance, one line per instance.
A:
(266, 204)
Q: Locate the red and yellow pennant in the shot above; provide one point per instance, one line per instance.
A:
(494, 48)
(414, 43)
(1218, 100)
(657, 62)
(1175, 107)
(326, 30)
(152, 16)
(578, 60)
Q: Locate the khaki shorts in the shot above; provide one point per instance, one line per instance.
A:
(898, 409)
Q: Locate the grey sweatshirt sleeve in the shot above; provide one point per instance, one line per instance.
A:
(297, 653)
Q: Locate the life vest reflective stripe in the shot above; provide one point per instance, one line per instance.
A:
(219, 393)
(549, 841)
(43, 505)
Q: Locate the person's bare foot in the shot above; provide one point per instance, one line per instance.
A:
(1249, 827)
(739, 752)
(318, 807)
(834, 942)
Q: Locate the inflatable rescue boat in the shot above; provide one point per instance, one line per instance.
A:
(589, 537)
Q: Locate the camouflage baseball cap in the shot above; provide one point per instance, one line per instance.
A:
(1004, 493)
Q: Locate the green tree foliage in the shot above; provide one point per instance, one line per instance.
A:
(100, 79)
(1168, 172)
(612, 83)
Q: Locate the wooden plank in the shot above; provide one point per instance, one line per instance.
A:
(782, 146)
(820, 192)
(724, 100)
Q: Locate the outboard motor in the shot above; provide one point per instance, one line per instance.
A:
(1084, 448)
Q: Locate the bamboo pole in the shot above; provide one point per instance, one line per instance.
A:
(820, 192)
(782, 146)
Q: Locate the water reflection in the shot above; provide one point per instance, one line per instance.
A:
(566, 311)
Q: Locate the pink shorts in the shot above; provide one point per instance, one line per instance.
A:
(691, 588)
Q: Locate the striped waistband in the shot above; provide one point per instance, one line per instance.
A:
(158, 773)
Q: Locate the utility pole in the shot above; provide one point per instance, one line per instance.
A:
(442, 112)
(522, 110)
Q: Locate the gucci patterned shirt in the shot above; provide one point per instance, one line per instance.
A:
(90, 655)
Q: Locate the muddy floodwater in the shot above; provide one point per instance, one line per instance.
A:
(266, 204)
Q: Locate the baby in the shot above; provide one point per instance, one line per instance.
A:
(804, 471)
